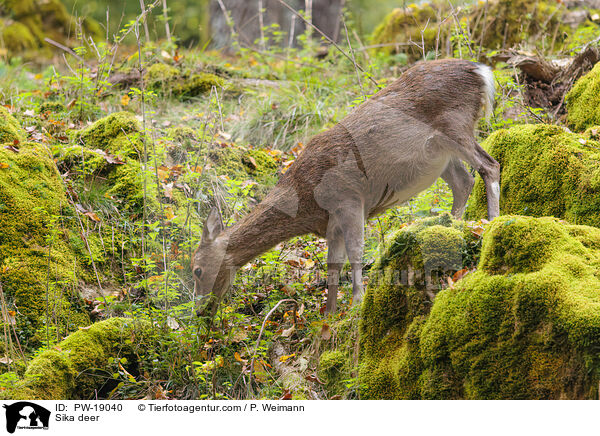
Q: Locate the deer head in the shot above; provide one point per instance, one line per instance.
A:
(212, 273)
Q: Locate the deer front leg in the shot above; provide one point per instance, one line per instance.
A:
(461, 183)
(336, 256)
(353, 229)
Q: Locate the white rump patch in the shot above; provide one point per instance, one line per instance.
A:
(489, 89)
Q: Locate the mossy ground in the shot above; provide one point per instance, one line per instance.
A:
(545, 171)
(583, 101)
(525, 325)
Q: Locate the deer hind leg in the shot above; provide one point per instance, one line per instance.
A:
(336, 256)
(461, 183)
(489, 169)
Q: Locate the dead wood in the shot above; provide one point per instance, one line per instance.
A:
(547, 82)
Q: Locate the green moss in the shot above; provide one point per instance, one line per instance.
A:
(10, 129)
(158, 74)
(403, 25)
(117, 134)
(419, 29)
(17, 37)
(169, 80)
(583, 101)
(545, 171)
(51, 106)
(241, 163)
(403, 283)
(510, 22)
(197, 84)
(525, 325)
(36, 256)
(333, 371)
(32, 21)
(77, 367)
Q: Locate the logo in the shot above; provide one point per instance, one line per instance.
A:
(26, 415)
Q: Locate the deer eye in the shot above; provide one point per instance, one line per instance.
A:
(198, 272)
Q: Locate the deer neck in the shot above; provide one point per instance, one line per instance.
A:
(263, 228)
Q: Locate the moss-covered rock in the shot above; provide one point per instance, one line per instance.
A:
(119, 139)
(403, 284)
(169, 80)
(525, 325)
(37, 258)
(403, 25)
(545, 171)
(77, 367)
(495, 24)
(10, 129)
(583, 101)
(242, 163)
(17, 37)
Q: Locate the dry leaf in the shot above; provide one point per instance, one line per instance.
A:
(286, 357)
(4, 165)
(93, 216)
(237, 357)
(325, 332)
(169, 213)
(287, 395)
(288, 290)
(460, 274)
(125, 100)
(288, 332)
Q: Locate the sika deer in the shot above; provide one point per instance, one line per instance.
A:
(387, 150)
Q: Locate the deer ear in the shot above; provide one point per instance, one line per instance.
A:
(212, 226)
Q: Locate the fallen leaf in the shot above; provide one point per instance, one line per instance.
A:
(172, 323)
(286, 357)
(288, 332)
(237, 357)
(169, 214)
(325, 332)
(29, 113)
(288, 290)
(309, 263)
(93, 216)
(4, 165)
(460, 274)
(287, 395)
(125, 100)
(11, 148)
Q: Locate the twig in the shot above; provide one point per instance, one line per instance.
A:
(262, 328)
(63, 47)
